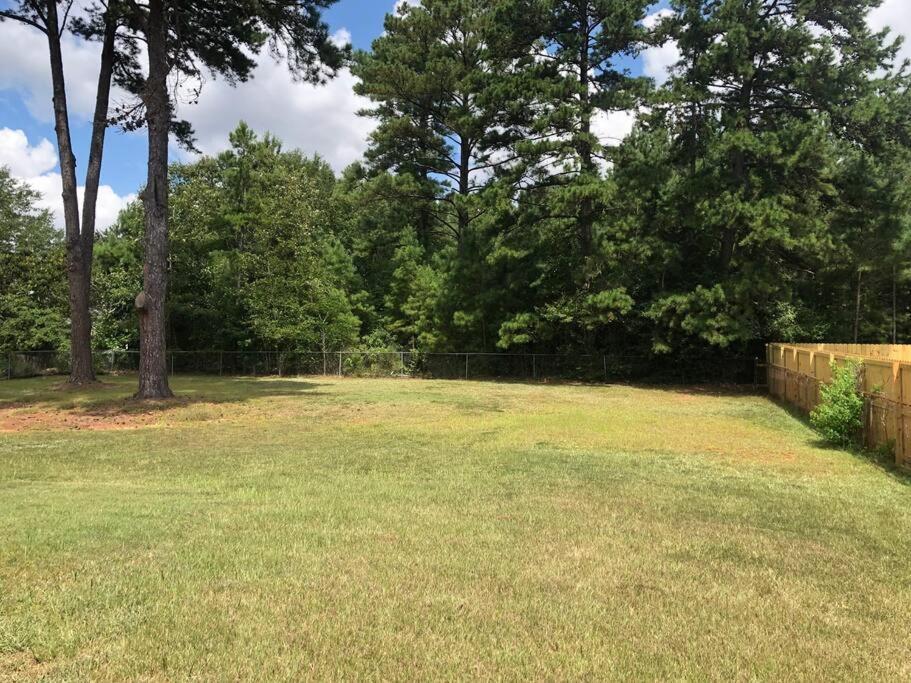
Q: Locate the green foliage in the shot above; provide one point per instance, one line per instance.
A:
(839, 413)
(764, 193)
(33, 297)
(256, 257)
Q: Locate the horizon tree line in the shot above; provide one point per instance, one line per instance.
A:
(763, 193)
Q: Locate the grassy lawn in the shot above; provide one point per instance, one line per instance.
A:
(405, 529)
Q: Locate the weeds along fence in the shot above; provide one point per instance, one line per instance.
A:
(506, 366)
(797, 371)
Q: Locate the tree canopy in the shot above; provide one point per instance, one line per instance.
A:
(764, 192)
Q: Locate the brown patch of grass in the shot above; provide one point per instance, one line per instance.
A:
(63, 420)
(19, 667)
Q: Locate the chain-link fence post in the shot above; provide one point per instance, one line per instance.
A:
(339, 363)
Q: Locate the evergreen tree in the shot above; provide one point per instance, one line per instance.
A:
(563, 240)
(103, 24)
(757, 109)
(447, 82)
(188, 39)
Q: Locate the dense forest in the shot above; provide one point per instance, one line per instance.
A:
(763, 194)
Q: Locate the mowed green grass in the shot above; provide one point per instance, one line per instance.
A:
(410, 530)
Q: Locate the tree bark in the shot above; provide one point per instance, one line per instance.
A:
(81, 368)
(894, 305)
(860, 274)
(153, 369)
(81, 343)
(740, 173)
(464, 190)
(585, 223)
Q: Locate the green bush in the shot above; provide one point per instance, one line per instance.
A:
(840, 412)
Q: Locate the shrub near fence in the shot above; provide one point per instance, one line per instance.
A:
(796, 372)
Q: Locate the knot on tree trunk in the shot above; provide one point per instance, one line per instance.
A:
(142, 302)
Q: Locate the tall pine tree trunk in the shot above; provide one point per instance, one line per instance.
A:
(860, 274)
(153, 370)
(585, 218)
(740, 174)
(81, 368)
(90, 200)
(464, 191)
(894, 305)
(79, 243)
(424, 218)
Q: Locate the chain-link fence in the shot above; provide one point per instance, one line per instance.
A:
(503, 366)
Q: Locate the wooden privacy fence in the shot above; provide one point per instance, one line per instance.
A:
(796, 372)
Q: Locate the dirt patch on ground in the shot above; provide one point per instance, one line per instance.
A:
(125, 414)
(90, 386)
(21, 666)
(21, 421)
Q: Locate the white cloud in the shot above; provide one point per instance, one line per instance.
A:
(22, 159)
(657, 61)
(36, 165)
(341, 37)
(26, 70)
(612, 127)
(897, 16)
(109, 204)
(314, 119)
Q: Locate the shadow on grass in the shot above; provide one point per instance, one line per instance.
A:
(881, 458)
(114, 396)
(696, 389)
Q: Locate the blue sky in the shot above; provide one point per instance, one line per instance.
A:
(124, 163)
(316, 120)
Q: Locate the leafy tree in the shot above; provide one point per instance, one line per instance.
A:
(116, 277)
(188, 39)
(583, 44)
(104, 22)
(298, 273)
(386, 224)
(563, 239)
(33, 300)
(448, 84)
(256, 256)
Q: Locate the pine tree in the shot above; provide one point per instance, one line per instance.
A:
(446, 81)
(561, 237)
(218, 36)
(764, 96)
(104, 23)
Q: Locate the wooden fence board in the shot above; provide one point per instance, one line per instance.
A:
(797, 371)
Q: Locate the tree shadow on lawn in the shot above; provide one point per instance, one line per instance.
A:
(720, 389)
(110, 399)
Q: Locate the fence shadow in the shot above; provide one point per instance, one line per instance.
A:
(882, 460)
